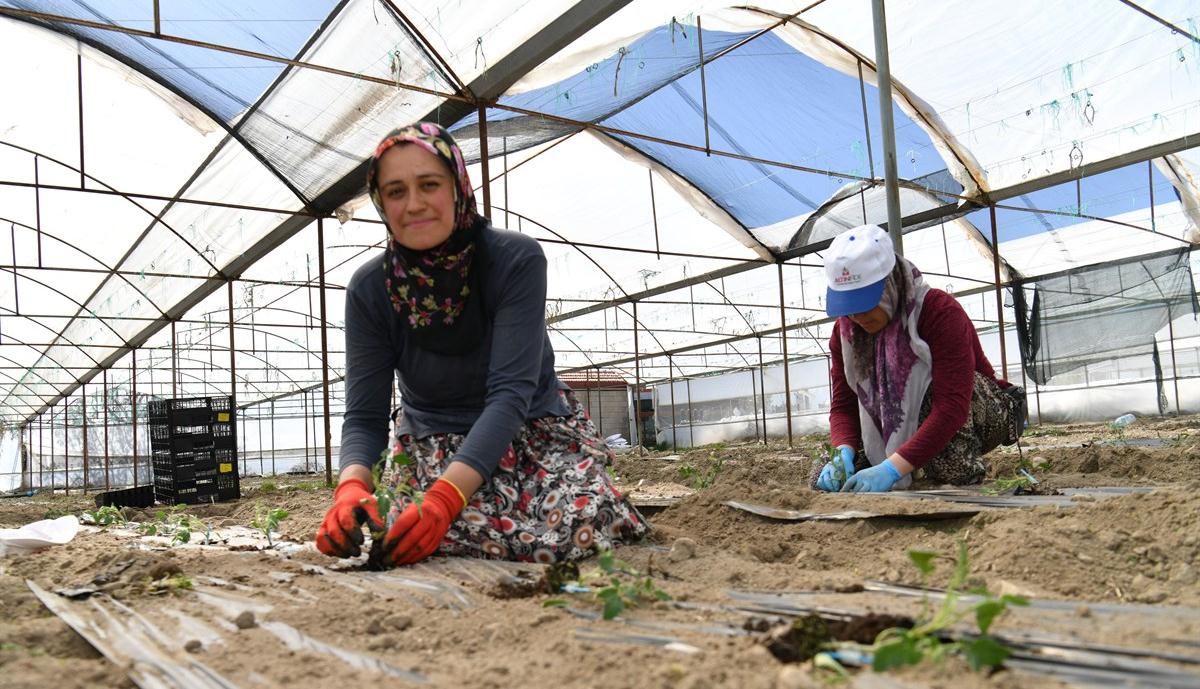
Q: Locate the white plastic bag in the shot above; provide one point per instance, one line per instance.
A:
(38, 535)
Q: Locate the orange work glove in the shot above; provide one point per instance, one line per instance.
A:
(419, 530)
(341, 533)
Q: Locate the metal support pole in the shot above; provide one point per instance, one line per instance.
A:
(654, 215)
(37, 209)
(674, 425)
(483, 161)
(66, 419)
(83, 401)
(174, 363)
(41, 450)
(258, 428)
(273, 471)
(106, 458)
(233, 372)
(883, 74)
(691, 417)
(133, 409)
(504, 159)
(862, 92)
(324, 351)
(787, 378)
(1150, 184)
(999, 293)
(587, 386)
(1174, 366)
(304, 415)
(762, 390)
(157, 19)
(637, 377)
(600, 407)
(79, 83)
(703, 86)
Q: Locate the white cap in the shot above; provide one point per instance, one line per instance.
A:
(856, 265)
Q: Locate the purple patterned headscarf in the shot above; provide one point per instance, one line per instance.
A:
(891, 370)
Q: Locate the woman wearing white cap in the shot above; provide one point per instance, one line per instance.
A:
(912, 388)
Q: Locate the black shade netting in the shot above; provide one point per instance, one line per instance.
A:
(1101, 312)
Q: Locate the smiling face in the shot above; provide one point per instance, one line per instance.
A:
(871, 321)
(417, 191)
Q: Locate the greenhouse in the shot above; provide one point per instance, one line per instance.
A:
(185, 185)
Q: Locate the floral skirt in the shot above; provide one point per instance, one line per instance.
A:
(549, 499)
(995, 420)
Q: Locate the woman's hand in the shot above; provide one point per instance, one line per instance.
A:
(828, 481)
(419, 529)
(341, 533)
(879, 478)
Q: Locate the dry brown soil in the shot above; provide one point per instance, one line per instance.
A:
(1138, 549)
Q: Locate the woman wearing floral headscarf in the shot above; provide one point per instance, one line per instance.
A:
(510, 465)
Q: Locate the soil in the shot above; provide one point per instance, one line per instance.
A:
(468, 625)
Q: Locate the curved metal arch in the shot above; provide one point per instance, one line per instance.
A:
(68, 298)
(963, 157)
(240, 377)
(232, 131)
(110, 269)
(219, 326)
(594, 262)
(127, 197)
(257, 358)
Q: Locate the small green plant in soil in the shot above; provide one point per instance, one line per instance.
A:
(1015, 484)
(266, 519)
(701, 478)
(624, 587)
(173, 522)
(267, 487)
(826, 452)
(1042, 432)
(900, 647)
(172, 584)
(387, 495)
(104, 516)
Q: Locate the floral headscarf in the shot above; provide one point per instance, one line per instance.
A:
(436, 291)
(891, 370)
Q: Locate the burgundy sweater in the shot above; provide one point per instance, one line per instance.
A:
(957, 355)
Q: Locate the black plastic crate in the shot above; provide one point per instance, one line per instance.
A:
(228, 486)
(194, 449)
(141, 496)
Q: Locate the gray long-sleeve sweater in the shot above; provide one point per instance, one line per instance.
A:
(487, 393)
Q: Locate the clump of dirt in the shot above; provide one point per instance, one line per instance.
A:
(1099, 464)
(804, 637)
(127, 573)
(1148, 544)
(864, 629)
(798, 641)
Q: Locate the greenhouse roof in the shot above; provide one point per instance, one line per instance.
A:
(180, 176)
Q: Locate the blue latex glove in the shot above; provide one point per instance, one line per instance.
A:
(828, 481)
(877, 479)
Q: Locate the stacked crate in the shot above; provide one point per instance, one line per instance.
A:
(193, 450)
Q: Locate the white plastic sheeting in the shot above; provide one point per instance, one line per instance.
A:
(1009, 94)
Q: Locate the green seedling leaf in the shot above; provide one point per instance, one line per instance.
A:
(554, 603)
(962, 568)
(613, 605)
(986, 613)
(923, 560)
(898, 653)
(983, 652)
(828, 669)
